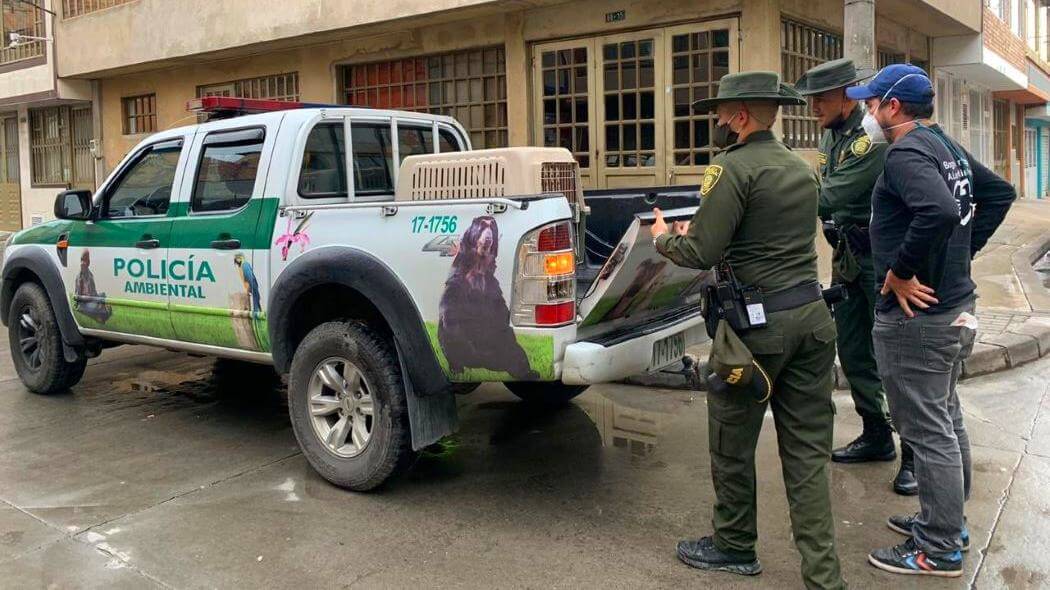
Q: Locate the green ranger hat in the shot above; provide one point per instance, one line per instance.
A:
(748, 86)
(734, 368)
(830, 75)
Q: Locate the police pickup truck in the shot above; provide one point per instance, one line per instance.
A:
(370, 255)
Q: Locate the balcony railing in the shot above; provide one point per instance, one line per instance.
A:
(71, 8)
(24, 20)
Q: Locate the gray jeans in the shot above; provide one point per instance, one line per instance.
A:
(920, 360)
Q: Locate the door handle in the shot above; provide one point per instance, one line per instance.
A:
(148, 244)
(231, 244)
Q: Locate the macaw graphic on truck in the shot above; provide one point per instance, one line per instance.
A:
(473, 319)
(251, 284)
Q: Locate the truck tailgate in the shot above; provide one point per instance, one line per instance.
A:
(637, 286)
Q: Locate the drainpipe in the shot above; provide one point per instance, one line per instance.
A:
(859, 32)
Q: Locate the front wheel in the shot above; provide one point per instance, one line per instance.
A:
(348, 407)
(36, 343)
(547, 393)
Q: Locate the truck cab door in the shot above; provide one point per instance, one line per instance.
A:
(215, 240)
(115, 269)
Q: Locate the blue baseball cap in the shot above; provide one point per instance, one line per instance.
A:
(905, 82)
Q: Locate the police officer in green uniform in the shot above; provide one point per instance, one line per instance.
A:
(757, 214)
(849, 164)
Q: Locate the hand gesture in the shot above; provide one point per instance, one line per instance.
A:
(659, 226)
(680, 227)
(910, 292)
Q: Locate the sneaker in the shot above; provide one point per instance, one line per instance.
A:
(902, 523)
(907, 558)
(702, 554)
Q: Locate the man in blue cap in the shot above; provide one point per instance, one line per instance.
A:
(933, 208)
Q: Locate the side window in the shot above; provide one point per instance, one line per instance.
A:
(413, 141)
(323, 173)
(447, 141)
(145, 186)
(373, 159)
(228, 167)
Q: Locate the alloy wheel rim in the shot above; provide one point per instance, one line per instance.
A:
(341, 406)
(29, 340)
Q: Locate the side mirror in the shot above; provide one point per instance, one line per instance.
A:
(73, 204)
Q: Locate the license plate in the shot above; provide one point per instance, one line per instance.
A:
(668, 350)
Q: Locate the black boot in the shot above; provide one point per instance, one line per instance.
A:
(875, 443)
(905, 483)
(702, 553)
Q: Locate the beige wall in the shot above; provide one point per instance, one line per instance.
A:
(149, 31)
(316, 66)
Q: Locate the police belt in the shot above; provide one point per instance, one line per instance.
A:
(793, 297)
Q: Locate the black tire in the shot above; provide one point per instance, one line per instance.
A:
(388, 450)
(36, 343)
(546, 393)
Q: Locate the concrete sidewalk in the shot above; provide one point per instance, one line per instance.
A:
(1013, 306)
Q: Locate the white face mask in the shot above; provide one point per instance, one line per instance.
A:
(877, 132)
(871, 125)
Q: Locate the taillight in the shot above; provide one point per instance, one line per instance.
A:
(545, 282)
(554, 237)
(555, 313)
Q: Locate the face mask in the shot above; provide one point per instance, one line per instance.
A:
(876, 132)
(724, 136)
(871, 125)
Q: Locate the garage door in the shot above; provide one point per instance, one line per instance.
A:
(620, 102)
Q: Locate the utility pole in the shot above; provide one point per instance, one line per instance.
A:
(859, 29)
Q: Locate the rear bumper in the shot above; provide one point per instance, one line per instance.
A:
(585, 363)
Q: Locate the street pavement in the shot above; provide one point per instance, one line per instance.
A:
(159, 472)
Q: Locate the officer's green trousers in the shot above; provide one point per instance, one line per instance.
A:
(855, 318)
(797, 351)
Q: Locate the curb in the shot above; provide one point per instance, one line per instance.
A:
(991, 354)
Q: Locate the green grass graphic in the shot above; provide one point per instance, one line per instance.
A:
(188, 323)
(538, 349)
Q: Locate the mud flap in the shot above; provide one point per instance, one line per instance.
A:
(431, 417)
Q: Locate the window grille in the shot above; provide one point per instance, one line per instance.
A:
(71, 8)
(21, 18)
(470, 86)
(801, 48)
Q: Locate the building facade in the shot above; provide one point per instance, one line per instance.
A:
(611, 80)
(46, 122)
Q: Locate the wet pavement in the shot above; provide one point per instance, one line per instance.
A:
(159, 471)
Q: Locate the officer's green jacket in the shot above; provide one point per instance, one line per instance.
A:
(849, 165)
(758, 209)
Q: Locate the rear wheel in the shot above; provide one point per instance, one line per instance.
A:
(550, 393)
(348, 407)
(36, 343)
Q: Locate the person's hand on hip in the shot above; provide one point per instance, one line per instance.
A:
(908, 292)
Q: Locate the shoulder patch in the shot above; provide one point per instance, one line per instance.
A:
(861, 145)
(711, 176)
(822, 158)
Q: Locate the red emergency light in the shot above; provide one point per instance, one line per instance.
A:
(225, 107)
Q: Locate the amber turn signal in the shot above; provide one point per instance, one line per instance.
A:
(559, 264)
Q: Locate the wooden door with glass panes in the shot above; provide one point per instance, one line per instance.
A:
(699, 56)
(620, 103)
(564, 108)
(629, 110)
(10, 187)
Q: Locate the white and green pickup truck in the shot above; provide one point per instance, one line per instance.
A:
(369, 255)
